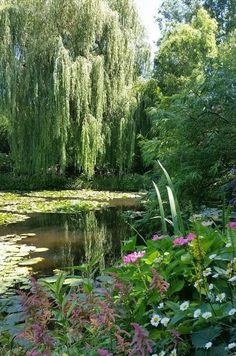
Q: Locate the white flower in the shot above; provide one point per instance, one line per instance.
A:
(211, 257)
(216, 275)
(220, 297)
(207, 223)
(197, 283)
(184, 306)
(211, 286)
(232, 345)
(207, 272)
(232, 311)
(165, 321)
(197, 313)
(162, 353)
(154, 355)
(173, 353)
(160, 306)
(228, 244)
(166, 253)
(232, 279)
(207, 315)
(208, 345)
(155, 319)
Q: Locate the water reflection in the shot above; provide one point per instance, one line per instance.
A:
(72, 239)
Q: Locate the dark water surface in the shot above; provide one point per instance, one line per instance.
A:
(72, 239)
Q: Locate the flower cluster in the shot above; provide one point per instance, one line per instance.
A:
(157, 319)
(232, 225)
(156, 237)
(206, 315)
(181, 241)
(133, 257)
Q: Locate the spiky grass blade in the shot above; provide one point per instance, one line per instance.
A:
(173, 210)
(177, 207)
(162, 212)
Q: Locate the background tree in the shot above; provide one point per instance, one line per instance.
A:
(193, 120)
(184, 51)
(67, 68)
(181, 11)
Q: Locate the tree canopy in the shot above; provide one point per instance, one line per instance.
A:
(67, 68)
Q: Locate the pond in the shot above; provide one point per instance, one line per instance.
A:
(46, 242)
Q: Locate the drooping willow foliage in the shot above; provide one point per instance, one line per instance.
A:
(67, 69)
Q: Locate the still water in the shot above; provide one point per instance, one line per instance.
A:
(72, 239)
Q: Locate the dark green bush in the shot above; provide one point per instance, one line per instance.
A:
(25, 183)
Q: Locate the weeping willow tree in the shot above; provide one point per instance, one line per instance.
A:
(67, 69)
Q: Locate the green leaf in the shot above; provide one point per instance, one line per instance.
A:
(151, 258)
(213, 351)
(162, 212)
(186, 258)
(173, 211)
(130, 244)
(202, 337)
(176, 286)
(173, 306)
(171, 185)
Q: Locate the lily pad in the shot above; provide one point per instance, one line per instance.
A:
(41, 249)
(31, 261)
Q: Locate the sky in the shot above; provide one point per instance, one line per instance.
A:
(147, 10)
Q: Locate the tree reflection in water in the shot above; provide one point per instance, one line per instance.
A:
(73, 239)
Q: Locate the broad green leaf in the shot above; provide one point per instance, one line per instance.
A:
(202, 337)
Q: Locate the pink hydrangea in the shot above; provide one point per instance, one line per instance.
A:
(232, 225)
(191, 236)
(133, 257)
(103, 352)
(180, 241)
(156, 237)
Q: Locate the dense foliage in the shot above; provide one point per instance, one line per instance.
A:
(193, 116)
(67, 69)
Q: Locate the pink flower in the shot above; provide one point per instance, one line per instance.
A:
(103, 352)
(191, 236)
(133, 257)
(180, 241)
(156, 237)
(232, 225)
